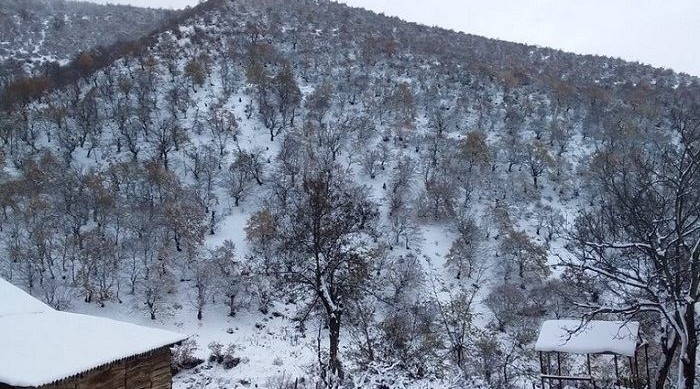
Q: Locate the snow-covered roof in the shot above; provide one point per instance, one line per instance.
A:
(39, 345)
(14, 300)
(593, 337)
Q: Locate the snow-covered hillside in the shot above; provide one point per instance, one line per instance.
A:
(338, 195)
(38, 34)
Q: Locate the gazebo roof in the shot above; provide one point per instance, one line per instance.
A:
(593, 337)
(39, 345)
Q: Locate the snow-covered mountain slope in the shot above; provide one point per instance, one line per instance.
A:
(299, 178)
(37, 32)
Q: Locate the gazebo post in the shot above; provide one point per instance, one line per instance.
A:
(590, 371)
(636, 370)
(542, 369)
(633, 373)
(559, 369)
(646, 360)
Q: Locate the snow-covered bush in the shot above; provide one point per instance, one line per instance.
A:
(183, 355)
(223, 356)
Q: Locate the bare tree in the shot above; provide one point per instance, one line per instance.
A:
(323, 242)
(203, 273)
(455, 315)
(464, 250)
(288, 94)
(232, 279)
(538, 159)
(642, 236)
(223, 127)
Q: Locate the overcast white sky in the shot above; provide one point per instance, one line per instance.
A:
(663, 33)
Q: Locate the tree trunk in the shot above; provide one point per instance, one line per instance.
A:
(232, 305)
(334, 341)
(689, 354)
(665, 367)
(368, 340)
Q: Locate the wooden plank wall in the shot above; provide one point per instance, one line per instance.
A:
(150, 371)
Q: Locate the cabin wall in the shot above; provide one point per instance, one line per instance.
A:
(150, 371)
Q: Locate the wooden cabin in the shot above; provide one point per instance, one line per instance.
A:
(44, 348)
(593, 353)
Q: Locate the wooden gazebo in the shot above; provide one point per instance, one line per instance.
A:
(616, 340)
